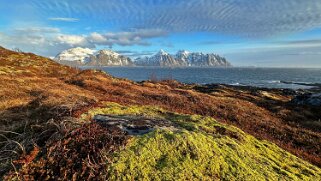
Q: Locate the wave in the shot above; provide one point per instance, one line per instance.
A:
(298, 83)
(274, 81)
(238, 84)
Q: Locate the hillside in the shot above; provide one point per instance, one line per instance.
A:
(60, 122)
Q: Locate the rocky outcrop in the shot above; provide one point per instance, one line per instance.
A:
(308, 99)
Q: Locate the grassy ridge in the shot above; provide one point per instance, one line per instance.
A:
(200, 148)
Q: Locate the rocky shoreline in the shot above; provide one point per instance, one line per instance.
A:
(310, 96)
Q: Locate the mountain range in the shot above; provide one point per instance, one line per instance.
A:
(87, 57)
(183, 58)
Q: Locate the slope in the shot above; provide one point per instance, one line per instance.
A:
(41, 101)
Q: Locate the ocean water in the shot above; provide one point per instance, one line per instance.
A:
(260, 77)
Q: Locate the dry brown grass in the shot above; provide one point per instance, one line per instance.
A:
(75, 156)
(266, 117)
(35, 90)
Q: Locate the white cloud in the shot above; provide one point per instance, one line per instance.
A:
(98, 38)
(73, 40)
(30, 30)
(50, 41)
(64, 19)
(41, 43)
(249, 18)
(127, 38)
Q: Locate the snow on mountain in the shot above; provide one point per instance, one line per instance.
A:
(162, 53)
(161, 58)
(109, 58)
(85, 56)
(76, 55)
(183, 58)
(211, 60)
(143, 61)
(108, 52)
(182, 55)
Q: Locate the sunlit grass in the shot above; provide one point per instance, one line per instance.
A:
(201, 148)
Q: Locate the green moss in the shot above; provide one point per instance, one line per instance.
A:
(200, 149)
(116, 109)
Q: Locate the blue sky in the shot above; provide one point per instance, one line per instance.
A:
(267, 33)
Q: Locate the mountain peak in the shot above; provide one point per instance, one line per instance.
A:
(184, 58)
(162, 52)
(80, 49)
(183, 52)
(75, 54)
(84, 56)
(108, 52)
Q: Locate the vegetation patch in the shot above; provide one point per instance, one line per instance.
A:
(201, 149)
(75, 157)
(41, 101)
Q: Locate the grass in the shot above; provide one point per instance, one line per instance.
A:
(273, 119)
(201, 148)
(34, 91)
(74, 155)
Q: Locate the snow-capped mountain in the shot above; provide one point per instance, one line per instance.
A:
(109, 58)
(85, 56)
(74, 56)
(183, 58)
(206, 60)
(182, 55)
(161, 58)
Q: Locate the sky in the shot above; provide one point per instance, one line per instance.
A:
(264, 33)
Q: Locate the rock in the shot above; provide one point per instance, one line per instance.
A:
(133, 125)
(308, 99)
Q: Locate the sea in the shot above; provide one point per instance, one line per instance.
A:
(292, 78)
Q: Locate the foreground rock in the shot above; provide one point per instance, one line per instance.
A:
(133, 125)
(308, 99)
